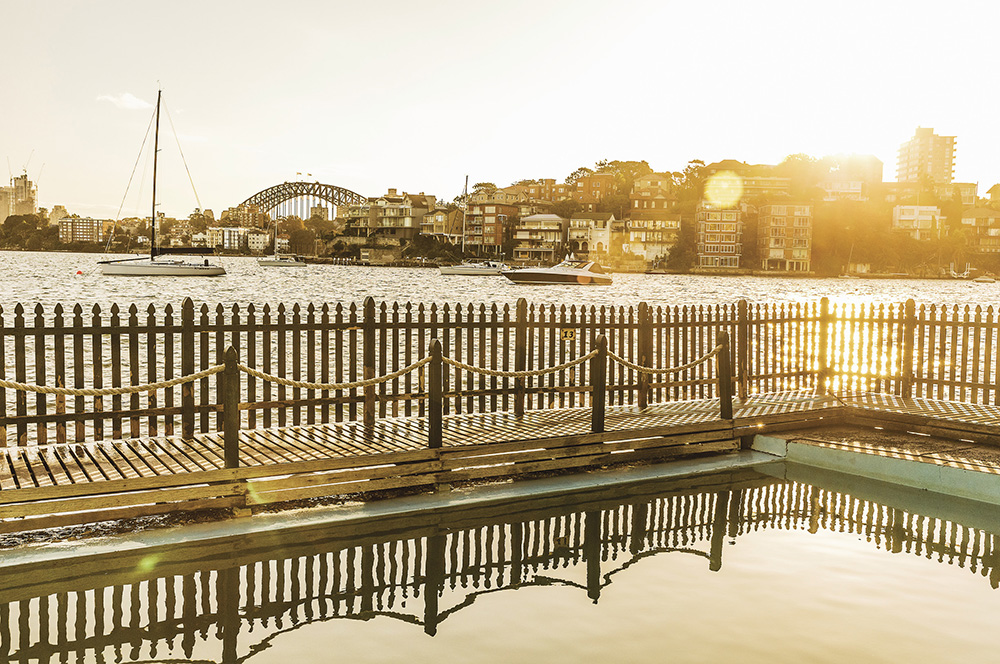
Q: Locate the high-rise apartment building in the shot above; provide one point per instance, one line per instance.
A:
(926, 154)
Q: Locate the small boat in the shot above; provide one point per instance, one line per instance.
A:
(279, 260)
(570, 271)
(984, 279)
(481, 268)
(155, 265)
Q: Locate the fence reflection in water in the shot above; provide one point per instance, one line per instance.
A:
(159, 604)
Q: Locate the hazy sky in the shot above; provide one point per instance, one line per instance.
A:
(414, 95)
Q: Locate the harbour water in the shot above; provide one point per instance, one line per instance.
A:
(48, 278)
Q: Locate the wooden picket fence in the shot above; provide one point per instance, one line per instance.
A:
(941, 352)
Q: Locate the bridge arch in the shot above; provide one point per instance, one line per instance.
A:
(269, 199)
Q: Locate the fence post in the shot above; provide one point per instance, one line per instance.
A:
(725, 371)
(435, 398)
(645, 351)
(742, 347)
(187, 368)
(906, 361)
(520, 353)
(230, 393)
(598, 385)
(822, 385)
(368, 351)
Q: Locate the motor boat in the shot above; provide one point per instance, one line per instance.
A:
(468, 268)
(570, 271)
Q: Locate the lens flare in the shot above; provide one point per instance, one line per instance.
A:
(724, 189)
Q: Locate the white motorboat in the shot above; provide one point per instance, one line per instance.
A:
(469, 268)
(570, 271)
(156, 265)
(281, 261)
(984, 279)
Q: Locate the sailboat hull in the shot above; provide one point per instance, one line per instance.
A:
(161, 268)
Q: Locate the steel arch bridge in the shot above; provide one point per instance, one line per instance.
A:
(268, 200)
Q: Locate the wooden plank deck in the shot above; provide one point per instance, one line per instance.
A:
(74, 463)
(55, 484)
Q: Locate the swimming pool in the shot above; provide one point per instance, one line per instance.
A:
(780, 563)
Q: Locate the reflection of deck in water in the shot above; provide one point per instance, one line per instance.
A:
(421, 570)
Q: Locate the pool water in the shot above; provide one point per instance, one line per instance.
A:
(777, 564)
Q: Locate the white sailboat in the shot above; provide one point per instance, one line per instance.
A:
(280, 260)
(157, 264)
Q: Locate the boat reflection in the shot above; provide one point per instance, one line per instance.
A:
(232, 597)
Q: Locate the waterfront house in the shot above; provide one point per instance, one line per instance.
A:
(983, 225)
(540, 239)
(920, 222)
(589, 233)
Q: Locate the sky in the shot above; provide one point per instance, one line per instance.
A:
(417, 95)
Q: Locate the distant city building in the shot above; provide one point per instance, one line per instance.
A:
(540, 238)
(720, 236)
(784, 237)
(77, 229)
(258, 241)
(229, 238)
(21, 197)
(984, 227)
(926, 154)
(57, 213)
(320, 211)
(920, 222)
(248, 216)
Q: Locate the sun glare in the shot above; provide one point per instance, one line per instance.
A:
(724, 189)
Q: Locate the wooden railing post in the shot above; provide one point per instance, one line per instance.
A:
(725, 372)
(906, 357)
(368, 352)
(823, 385)
(230, 393)
(520, 353)
(645, 351)
(187, 368)
(598, 385)
(435, 396)
(742, 347)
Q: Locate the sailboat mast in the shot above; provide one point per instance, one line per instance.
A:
(465, 210)
(156, 149)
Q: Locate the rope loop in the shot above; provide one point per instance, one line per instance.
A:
(671, 370)
(109, 391)
(518, 374)
(333, 386)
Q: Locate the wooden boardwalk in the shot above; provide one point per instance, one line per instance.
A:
(55, 485)
(67, 464)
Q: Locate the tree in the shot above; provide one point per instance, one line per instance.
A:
(301, 241)
(625, 172)
(684, 253)
(524, 183)
(581, 172)
(484, 188)
(566, 208)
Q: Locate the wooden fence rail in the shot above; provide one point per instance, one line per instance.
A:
(931, 351)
